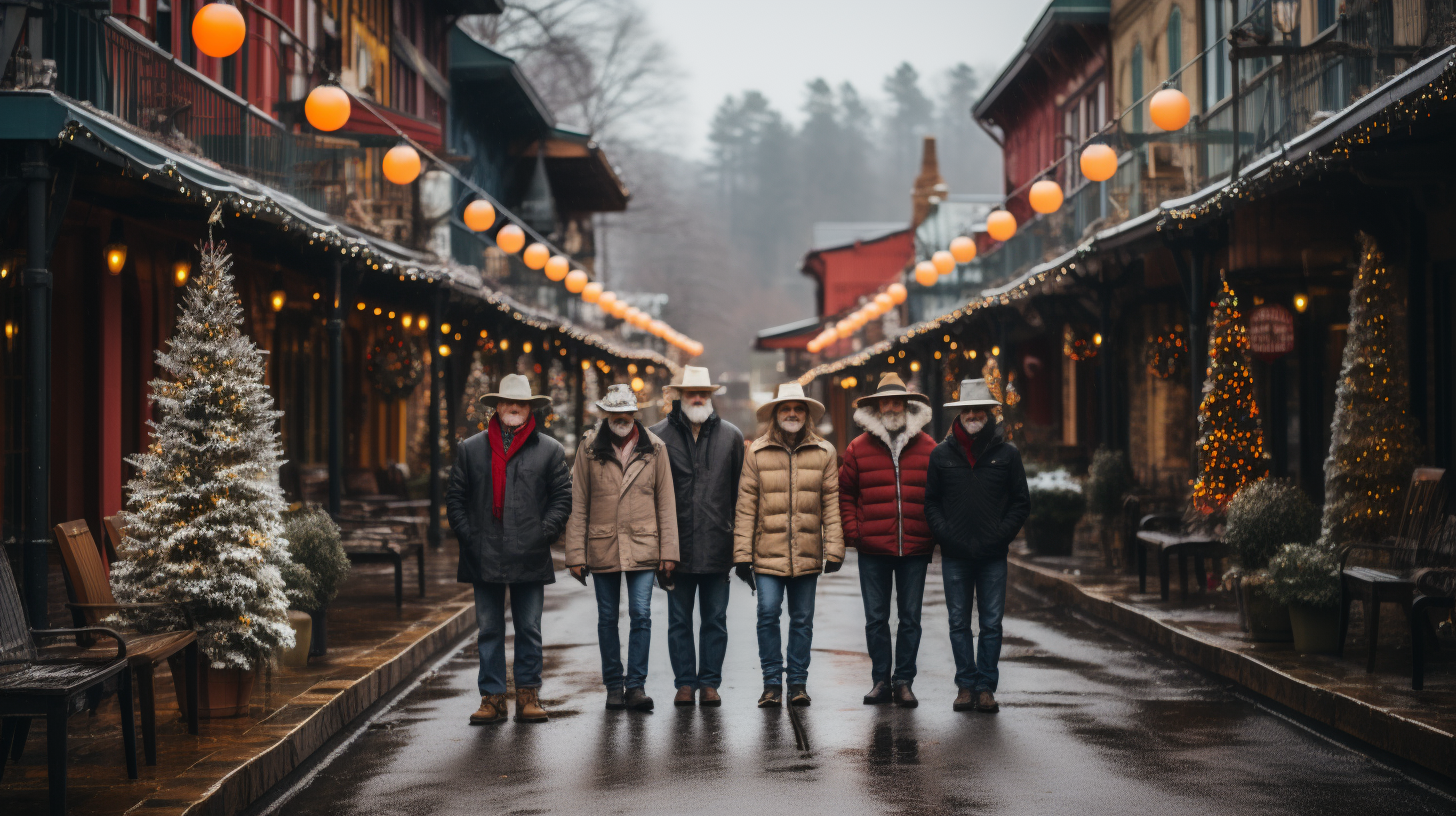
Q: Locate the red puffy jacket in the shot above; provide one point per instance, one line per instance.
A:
(868, 499)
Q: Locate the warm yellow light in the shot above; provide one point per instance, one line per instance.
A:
(505, 344)
(995, 351)
(915, 364)
(444, 350)
(115, 258)
(4, 271)
(631, 368)
(637, 384)
(378, 311)
(526, 347)
(423, 322)
(585, 365)
(9, 329)
(181, 271)
(484, 334)
(315, 295)
(1097, 339)
(972, 354)
(360, 305)
(1301, 302)
(277, 298)
(391, 315)
(407, 320)
(444, 328)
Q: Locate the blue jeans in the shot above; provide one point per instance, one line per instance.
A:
(704, 668)
(639, 612)
(983, 582)
(771, 591)
(878, 574)
(490, 616)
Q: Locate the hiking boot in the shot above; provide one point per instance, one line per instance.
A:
(492, 710)
(637, 699)
(528, 706)
(708, 696)
(986, 701)
(772, 697)
(904, 697)
(684, 696)
(798, 696)
(879, 695)
(616, 700)
(965, 700)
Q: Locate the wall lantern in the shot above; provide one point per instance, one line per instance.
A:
(115, 249)
(181, 271)
(1301, 302)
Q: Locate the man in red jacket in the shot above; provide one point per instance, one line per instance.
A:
(882, 505)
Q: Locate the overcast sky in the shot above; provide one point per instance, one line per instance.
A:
(775, 46)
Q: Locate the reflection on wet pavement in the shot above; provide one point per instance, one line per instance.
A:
(1090, 724)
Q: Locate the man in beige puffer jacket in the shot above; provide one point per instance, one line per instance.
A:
(787, 531)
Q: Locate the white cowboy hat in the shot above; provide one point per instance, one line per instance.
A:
(619, 400)
(892, 386)
(515, 388)
(791, 392)
(974, 394)
(695, 378)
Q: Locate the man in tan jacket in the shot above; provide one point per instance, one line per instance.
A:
(623, 527)
(787, 531)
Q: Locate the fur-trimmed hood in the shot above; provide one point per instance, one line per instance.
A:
(917, 416)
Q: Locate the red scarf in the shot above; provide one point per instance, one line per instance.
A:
(499, 456)
(965, 439)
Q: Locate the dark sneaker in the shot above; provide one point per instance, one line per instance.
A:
(637, 699)
(904, 697)
(879, 695)
(708, 696)
(772, 697)
(986, 701)
(616, 700)
(798, 696)
(965, 700)
(684, 696)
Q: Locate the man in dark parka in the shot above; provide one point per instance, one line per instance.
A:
(706, 452)
(508, 500)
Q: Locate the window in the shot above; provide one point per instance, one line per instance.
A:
(1217, 18)
(1135, 72)
(1325, 13)
(1175, 45)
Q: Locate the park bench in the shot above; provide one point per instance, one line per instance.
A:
(1435, 589)
(52, 685)
(385, 539)
(1161, 535)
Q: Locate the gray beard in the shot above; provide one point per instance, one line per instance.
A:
(798, 425)
(698, 414)
(620, 428)
(894, 423)
(973, 428)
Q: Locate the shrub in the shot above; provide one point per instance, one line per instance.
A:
(1304, 574)
(1056, 500)
(1109, 478)
(319, 563)
(1265, 516)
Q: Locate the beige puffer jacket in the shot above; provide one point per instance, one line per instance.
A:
(621, 520)
(779, 536)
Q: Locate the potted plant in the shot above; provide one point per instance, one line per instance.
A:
(1057, 504)
(318, 566)
(1109, 478)
(1306, 578)
(1260, 519)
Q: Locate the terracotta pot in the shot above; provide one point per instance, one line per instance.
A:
(220, 692)
(1316, 629)
(297, 657)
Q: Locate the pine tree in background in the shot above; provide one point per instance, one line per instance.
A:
(1230, 441)
(203, 519)
(1372, 441)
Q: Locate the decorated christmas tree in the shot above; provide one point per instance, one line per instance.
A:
(203, 523)
(1372, 442)
(1230, 441)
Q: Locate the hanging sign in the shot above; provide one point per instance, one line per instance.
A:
(1271, 331)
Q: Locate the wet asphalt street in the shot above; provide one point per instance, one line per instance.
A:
(1090, 724)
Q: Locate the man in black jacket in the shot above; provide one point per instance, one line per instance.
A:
(706, 453)
(509, 499)
(976, 500)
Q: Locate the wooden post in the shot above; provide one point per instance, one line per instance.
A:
(38, 285)
(336, 392)
(437, 372)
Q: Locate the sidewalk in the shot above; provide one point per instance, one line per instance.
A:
(232, 762)
(1380, 708)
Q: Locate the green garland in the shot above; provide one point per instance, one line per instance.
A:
(394, 364)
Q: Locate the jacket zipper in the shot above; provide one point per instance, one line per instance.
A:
(792, 496)
(899, 509)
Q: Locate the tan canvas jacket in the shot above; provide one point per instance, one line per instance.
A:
(622, 520)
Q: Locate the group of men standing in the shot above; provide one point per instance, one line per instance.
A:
(686, 504)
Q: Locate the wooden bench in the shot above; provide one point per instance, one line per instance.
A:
(1166, 545)
(385, 539)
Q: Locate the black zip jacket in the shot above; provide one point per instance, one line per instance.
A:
(976, 512)
(705, 475)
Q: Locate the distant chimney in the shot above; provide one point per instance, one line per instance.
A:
(930, 188)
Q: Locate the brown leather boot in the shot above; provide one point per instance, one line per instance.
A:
(965, 700)
(708, 696)
(986, 702)
(684, 696)
(492, 710)
(904, 697)
(528, 706)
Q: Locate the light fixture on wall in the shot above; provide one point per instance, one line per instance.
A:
(115, 248)
(1301, 302)
(278, 297)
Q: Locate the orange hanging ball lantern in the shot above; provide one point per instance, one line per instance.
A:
(657, 328)
(1045, 196)
(945, 263)
(327, 107)
(576, 281)
(401, 164)
(1098, 162)
(219, 30)
(479, 215)
(536, 256)
(897, 292)
(592, 292)
(1169, 109)
(558, 268)
(1001, 225)
(884, 302)
(510, 239)
(619, 309)
(963, 249)
(605, 301)
(926, 274)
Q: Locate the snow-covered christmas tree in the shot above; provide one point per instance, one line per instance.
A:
(203, 514)
(1230, 440)
(1372, 441)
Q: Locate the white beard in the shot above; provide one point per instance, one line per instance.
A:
(894, 423)
(512, 420)
(973, 427)
(791, 426)
(620, 428)
(698, 414)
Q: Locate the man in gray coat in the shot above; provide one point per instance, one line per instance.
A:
(509, 499)
(707, 457)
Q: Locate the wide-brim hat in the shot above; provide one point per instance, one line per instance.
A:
(791, 392)
(515, 388)
(892, 386)
(974, 394)
(620, 399)
(695, 378)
